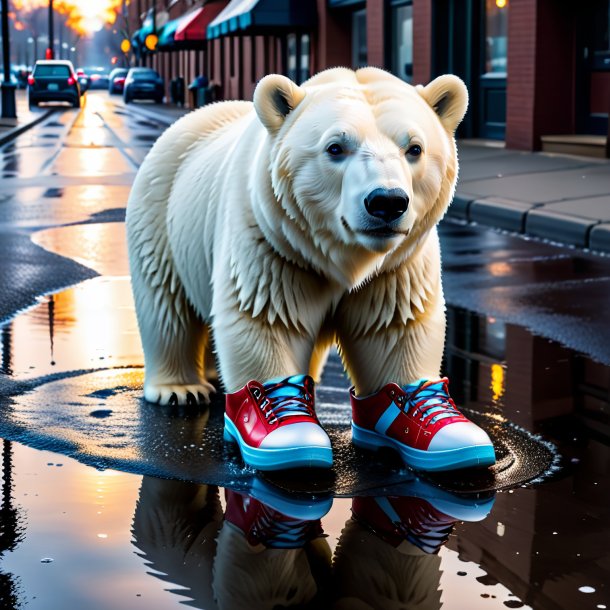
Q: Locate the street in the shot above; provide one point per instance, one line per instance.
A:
(108, 502)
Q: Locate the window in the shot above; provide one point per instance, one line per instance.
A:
(359, 50)
(496, 36)
(304, 67)
(44, 70)
(291, 43)
(402, 41)
(601, 35)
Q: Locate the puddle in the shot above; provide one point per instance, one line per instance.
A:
(164, 543)
(525, 553)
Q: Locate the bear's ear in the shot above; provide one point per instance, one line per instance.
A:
(448, 97)
(274, 97)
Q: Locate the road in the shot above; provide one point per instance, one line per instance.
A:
(528, 348)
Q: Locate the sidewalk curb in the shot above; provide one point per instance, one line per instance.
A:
(530, 219)
(10, 135)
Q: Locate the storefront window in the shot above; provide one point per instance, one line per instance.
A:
(292, 57)
(304, 67)
(359, 50)
(601, 41)
(496, 36)
(402, 41)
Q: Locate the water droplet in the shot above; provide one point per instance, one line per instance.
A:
(586, 589)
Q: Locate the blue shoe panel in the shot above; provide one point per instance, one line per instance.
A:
(278, 459)
(451, 459)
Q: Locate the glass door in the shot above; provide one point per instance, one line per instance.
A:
(492, 82)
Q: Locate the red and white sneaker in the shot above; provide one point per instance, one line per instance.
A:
(275, 425)
(425, 518)
(422, 423)
(262, 523)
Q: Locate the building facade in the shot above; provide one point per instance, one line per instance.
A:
(538, 71)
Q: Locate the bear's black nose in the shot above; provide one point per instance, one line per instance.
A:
(386, 204)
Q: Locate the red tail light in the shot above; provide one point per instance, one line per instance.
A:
(31, 80)
(71, 80)
(120, 80)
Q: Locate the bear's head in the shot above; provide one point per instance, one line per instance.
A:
(361, 164)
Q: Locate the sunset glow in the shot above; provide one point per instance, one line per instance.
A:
(82, 16)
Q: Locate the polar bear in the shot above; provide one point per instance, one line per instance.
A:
(281, 226)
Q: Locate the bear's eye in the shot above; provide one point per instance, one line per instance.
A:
(334, 150)
(414, 150)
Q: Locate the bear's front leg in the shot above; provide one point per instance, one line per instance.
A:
(270, 411)
(393, 357)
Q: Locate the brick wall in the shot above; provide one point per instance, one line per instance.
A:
(332, 41)
(375, 33)
(521, 84)
(540, 88)
(422, 41)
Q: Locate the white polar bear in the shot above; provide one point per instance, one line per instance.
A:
(303, 219)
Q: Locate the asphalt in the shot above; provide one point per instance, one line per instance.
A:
(564, 199)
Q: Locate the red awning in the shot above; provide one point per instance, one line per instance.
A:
(194, 25)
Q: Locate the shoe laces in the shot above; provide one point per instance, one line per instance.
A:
(288, 397)
(426, 528)
(278, 531)
(426, 398)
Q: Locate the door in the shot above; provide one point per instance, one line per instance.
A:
(470, 40)
(493, 68)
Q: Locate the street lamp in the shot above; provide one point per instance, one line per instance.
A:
(9, 107)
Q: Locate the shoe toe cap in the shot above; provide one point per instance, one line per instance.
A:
(301, 434)
(458, 436)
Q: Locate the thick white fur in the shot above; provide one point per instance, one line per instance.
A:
(241, 223)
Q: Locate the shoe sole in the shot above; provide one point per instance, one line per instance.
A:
(305, 509)
(278, 459)
(430, 461)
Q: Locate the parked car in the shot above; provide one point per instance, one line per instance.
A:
(117, 80)
(98, 77)
(53, 80)
(83, 80)
(143, 83)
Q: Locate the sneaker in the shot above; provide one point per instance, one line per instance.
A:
(263, 524)
(424, 518)
(422, 423)
(275, 425)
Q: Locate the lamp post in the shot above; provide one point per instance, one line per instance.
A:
(9, 107)
(50, 53)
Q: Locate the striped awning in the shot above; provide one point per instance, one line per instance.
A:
(263, 16)
(194, 25)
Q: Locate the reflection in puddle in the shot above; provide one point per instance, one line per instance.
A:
(89, 326)
(100, 246)
(224, 549)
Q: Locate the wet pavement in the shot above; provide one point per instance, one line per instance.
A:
(527, 352)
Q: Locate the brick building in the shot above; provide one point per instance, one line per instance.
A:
(538, 71)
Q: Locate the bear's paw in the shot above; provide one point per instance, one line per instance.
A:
(177, 394)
